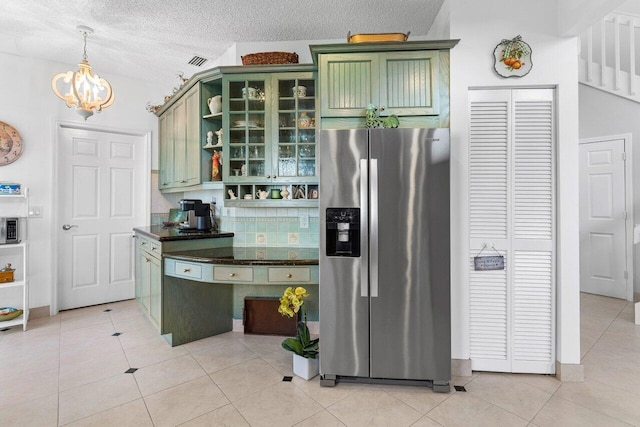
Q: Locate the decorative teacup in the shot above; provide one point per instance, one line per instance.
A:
(249, 93)
(262, 194)
(301, 91)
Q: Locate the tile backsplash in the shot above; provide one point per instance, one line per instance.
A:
(279, 227)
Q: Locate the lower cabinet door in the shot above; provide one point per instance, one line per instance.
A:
(155, 292)
(144, 261)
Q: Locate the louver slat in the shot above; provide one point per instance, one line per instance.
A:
(533, 316)
(533, 191)
(488, 316)
(488, 170)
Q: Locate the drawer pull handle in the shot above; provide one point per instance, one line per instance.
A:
(232, 274)
(143, 243)
(147, 259)
(186, 270)
(153, 249)
(289, 276)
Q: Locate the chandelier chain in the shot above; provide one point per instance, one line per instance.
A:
(84, 55)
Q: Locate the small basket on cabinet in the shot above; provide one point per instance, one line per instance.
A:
(263, 58)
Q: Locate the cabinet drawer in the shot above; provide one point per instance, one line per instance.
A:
(233, 274)
(188, 270)
(156, 248)
(150, 246)
(284, 274)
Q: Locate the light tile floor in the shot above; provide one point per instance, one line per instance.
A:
(70, 370)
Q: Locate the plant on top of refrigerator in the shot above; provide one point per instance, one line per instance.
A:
(302, 344)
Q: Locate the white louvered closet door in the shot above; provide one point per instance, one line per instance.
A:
(511, 207)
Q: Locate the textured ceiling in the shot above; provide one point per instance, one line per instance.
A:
(155, 39)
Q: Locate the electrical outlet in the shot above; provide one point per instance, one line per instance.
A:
(261, 238)
(304, 221)
(293, 239)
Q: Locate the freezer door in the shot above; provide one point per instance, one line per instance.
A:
(409, 250)
(344, 306)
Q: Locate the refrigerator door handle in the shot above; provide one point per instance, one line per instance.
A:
(373, 233)
(364, 226)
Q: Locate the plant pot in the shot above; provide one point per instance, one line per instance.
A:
(305, 368)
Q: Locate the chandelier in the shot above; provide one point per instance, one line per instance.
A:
(85, 91)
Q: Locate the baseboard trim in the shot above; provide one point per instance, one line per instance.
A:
(567, 372)
(461, 367)
(39, 312)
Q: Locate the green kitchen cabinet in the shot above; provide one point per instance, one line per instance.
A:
(149, 278)
(408, 79)
(151, 243)
(269, 133)
(179, 143)
(247, 127)
(400, 83)
(211, 87)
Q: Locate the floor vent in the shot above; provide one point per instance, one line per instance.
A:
(460, 388)
(197, 61)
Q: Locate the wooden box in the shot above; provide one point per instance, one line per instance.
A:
(261, 317)
(6, 276)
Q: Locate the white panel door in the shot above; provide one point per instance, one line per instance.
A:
(602, 219)
(101, 198)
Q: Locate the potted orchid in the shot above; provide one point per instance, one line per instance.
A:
(305, 350)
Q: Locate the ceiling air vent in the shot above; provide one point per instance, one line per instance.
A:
(197, 61)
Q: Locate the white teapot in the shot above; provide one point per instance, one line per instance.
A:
(215, 104)
(262, 194)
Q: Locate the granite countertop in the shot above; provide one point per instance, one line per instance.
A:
(163, 234)
(249, 256)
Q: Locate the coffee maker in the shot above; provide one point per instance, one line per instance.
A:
(198, 215)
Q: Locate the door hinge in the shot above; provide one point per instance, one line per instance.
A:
(626, 274)
(625, 215)
(624, 156)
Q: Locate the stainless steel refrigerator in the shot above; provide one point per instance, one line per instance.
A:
(384, 256)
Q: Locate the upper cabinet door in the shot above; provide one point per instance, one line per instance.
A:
(400, 83)
(294, 143)
(409, 83)
(249, 124)
(349, 82)
(192, 137)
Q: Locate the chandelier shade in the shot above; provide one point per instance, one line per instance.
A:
(81, 89)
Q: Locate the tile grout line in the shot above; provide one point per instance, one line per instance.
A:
(479, 396)
(132, 374)
(616, 316)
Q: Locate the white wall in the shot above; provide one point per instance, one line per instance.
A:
(28, 103)
(604, 114)
(481, 26)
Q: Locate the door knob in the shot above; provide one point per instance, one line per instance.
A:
(68, 227)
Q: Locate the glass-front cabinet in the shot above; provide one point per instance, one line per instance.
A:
(248, 126)
(296, 137)
(271, 133)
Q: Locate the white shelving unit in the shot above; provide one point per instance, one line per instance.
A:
(16, 206)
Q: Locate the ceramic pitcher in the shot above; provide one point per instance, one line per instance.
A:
(215, 104)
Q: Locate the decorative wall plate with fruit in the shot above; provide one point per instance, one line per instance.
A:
(512, 58)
